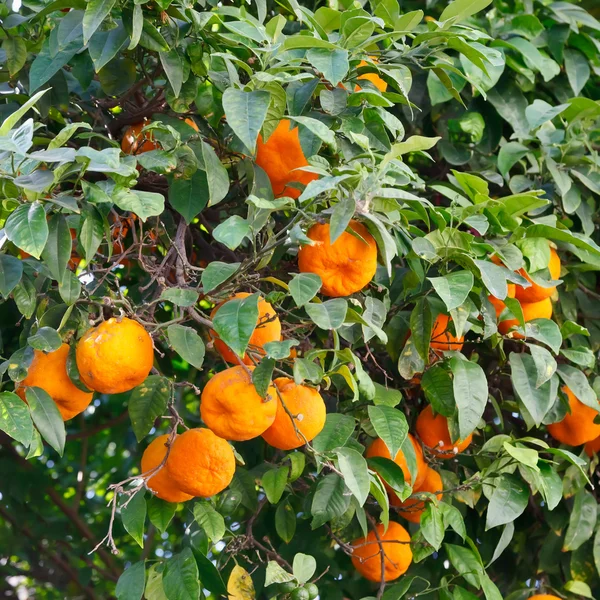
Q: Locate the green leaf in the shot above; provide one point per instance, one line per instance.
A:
(232, 231)
(210, 520)
(510, 154)
(276, 574)
(577, 69)
(503, 542)
(160, 512)
(333, 64)
(216, 273)
(132, 582)
(143, 204)
(46, 417)
(184, 196)
(209, 574)
(217, 177)
(581, 522)
(181, 578)
(385, 396)
(470, 392)
(246, 113)
(337, 430)
(355, 472)
(15, 419)
(147, 402)
(508, 99)
(462, 9)
(415, 143)
(45, 339)
(330, 500)
(172, 63)
(437, 386)
(104, 45)
(274, 482)
(421, 325)
(25, 296)
(91, 234)
(578, 383)
(279, 350)
(187, 343)
(235, 321)
(391, 473)
(304, 287)
(466, 562)
(303, 567)
(390, 425)
(57, 251)
(545, 331)
(596, 550)
(27, 228)
(432, 525)
(16, 54)
(11, 270)
(14, 117)
(540, 112)
(454, 288)
(509, 500)
(95, 13)
(550, 485)
(328, 315)
(133, 515)
(545, 364)
(579, 588)
(262, 375)
(179, 296)
(69, 288)
(285, 522)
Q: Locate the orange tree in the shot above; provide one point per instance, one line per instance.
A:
(299, 300)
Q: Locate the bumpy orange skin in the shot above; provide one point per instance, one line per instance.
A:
(412, 509)
(136, 142)
(268, 329)
(442, 339)
(345, 267)
(578, 427)
(433, 431)
(231, 407)
(377, 81)
(161, 483)
(308, 408)
(49, 372)
(279, 156)
(536, 293)
(531, 311)
(378, 448)
(115, 356)
(366, 556)
(593, 446)
(201, 463)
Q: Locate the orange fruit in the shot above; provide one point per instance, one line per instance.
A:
(378, 448)
(231, 407)
(200, 463)
(593, 446)
(136, 142)
(49, 372)
(308, 408)
(498, 304)
(433, 431)
(161, 483)
(268, 329)
(346, 266)
(544, 597)
(377, 81)
(115, 356)
(395, 544)
(280, 156)
(531, 311)
(536, 293)
(442, 339)
(578, 426)
(412, 509)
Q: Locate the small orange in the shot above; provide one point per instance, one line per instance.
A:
(442, 339)
(395, 544)
(231, 407)
(537, 293)
(412, 509)
(378, 448)
(136, 142)
(49, 372)
(377, 81)
(161, 483)
(433, 431)
(344, 267)
(498, 305)
(268, 329)
(115, 356)
(531, 311)
(200, 463)
(593, 446)
(308, 408)
(578, 426)
(280, 157)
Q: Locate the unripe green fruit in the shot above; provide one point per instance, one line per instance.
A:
(312, 589)
(287, 587)
(300, 594)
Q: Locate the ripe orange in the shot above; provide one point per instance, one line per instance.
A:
(161, 483)
(366, 554)
(433, 431)
(268, 329)
(498, 304)
(200, 463)
(377, 81)
(308, 408)
(578, 426)
(536, 293)
(593, 446)
(531, 311)
(442, 339)
(412, 509)
(115, 356)
(280, 156)
(231, 407)
(49, 372)
(378, 448)
(136, 142)
(544, 597)
(344, 267)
